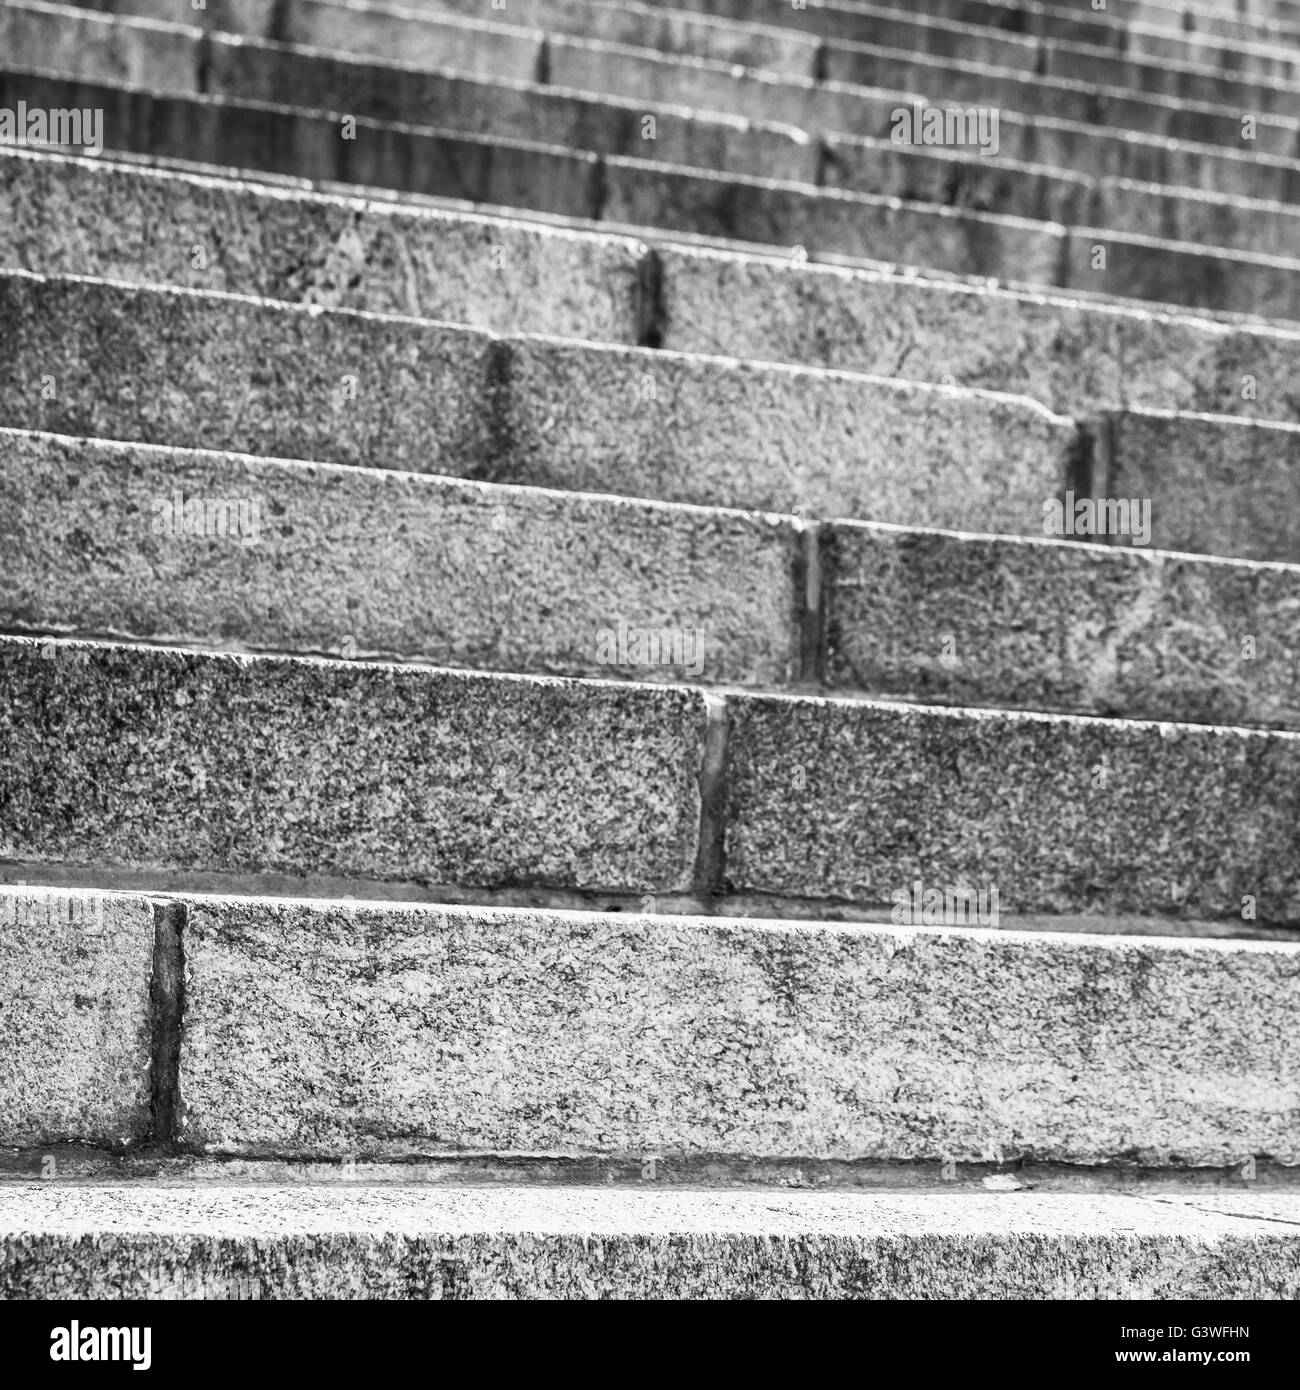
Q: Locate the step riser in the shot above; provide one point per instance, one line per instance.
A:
(853, 799)
(1205, 28)
(1138, 57)
(638, 192)
(642, 76)
(845, 801)
(190, 371)
(970, 621)
(314, 1242)
(1073, 357)
(183, 63)
(144, 757)
(68, 216)
(509, 579)
(1065, 99)
(63, 216)
(583, 1033)
(347, 561)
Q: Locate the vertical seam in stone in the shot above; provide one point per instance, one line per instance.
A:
(651, 304)
(598, 192)
(710, 848)
(821, 61)
(167, 1002)
(1081, 464)
(499, 391)
(278, 29)
(810, 598)
(203, 63)
(824, 160)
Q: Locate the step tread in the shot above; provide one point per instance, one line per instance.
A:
(79, 1242)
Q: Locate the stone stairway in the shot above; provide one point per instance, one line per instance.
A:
(615, 685)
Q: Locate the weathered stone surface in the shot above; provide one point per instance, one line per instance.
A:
(138, 756)
(1063, 97)
(955, 178)
(195, 370)
(84, 357)
(70, 216)
(856, 800)
(381, 1030)
(952, 240)
(61, 1241)
(461, 574)
(1142, 267)
(74, 1017)
(388, 32)
(1083, 43)
(310, 145)
(251, 71)
(973, 620)
(1216, 486)
(1231, 221)
(81, 216)
(1072, 355)
(77, 43)
(780, 438)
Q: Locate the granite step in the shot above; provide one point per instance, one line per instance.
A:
(527, 1034)
(961, 240)
(147, 1242)
(159, 759)
(254, 554)
(214, 371)
(278, 239)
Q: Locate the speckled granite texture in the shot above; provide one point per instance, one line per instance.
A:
(69, 1241)
(1090, 628)
(143, 225)
(75, 1017)
(461, 574)
(218, 372)
(835, 798)
(1218, 487)
(367, 1029)
(1074, 356)
(145, 756)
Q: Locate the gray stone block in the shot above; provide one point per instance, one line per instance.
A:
(511, 1242)
(974, 620)
(780, 438)
(856, 800)
(1216, 486)
(1074, 356)
(1175, 273)
(460, 574)
(958, 241)
(74, 975)
(196, 371)
(154, 758)
(387, 1031)
(89, 358)
(69, 216)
